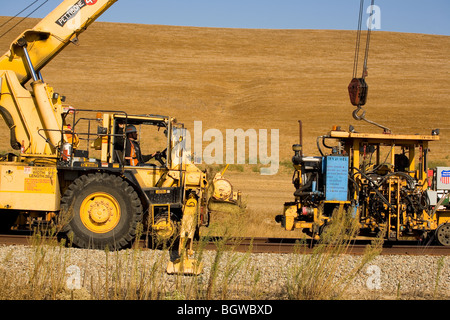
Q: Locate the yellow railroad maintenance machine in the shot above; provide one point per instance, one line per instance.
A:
(381, 180)
(72, 169)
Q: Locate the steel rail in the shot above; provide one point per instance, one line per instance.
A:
(285, 246)
(264, 245)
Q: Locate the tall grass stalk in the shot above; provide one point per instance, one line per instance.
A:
(42, 277)
(317, 275)
(227, 263)
(440, 266)
(136, 273)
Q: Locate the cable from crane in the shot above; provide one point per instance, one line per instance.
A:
(7, 31)
(358, 39)
(17, 14)
(366, 54)
(358, 88)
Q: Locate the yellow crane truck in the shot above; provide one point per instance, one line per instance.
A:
(71, 169)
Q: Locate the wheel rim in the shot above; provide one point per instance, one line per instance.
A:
(100, 212)
(443, 234)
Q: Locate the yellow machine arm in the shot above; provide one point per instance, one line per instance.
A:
(34, 117)
(50, 36)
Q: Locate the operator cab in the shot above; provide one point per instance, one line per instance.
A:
(152, 137)
(102, 142)
(93, 138)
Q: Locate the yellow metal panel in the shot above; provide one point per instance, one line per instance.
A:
(193, 178)
(28, 119)
(303, 225)
(290, 213)
(412, 159)
(148, 176)
(189, 220)
(443, 216)
(145, 118)
(355, 156)
(29, 188)
(51, 118)
(380, 136)
(105, 156)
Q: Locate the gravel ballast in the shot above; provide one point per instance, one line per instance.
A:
(239, 275)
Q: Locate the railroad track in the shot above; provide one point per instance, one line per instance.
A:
(267, 245)
(283, 246)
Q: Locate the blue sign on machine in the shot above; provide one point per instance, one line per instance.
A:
(336, 178)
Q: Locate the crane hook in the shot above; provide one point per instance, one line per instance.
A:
(359, 117)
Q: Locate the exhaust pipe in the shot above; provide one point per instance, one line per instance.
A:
(298, 148)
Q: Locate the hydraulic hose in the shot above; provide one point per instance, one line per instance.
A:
(12, 132)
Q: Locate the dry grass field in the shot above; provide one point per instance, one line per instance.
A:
(260, 79)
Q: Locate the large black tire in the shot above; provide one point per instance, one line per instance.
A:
(101, 211)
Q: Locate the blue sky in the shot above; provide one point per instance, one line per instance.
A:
(416, 16)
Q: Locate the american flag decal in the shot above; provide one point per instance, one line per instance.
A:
(445, 176)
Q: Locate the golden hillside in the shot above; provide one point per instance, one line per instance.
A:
(261, 79)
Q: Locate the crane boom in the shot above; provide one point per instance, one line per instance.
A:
(34, 116)
(51, 35)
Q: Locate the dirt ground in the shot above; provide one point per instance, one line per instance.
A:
(263, 193)
(264, 197)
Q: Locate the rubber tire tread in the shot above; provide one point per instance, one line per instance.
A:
(131, 215)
